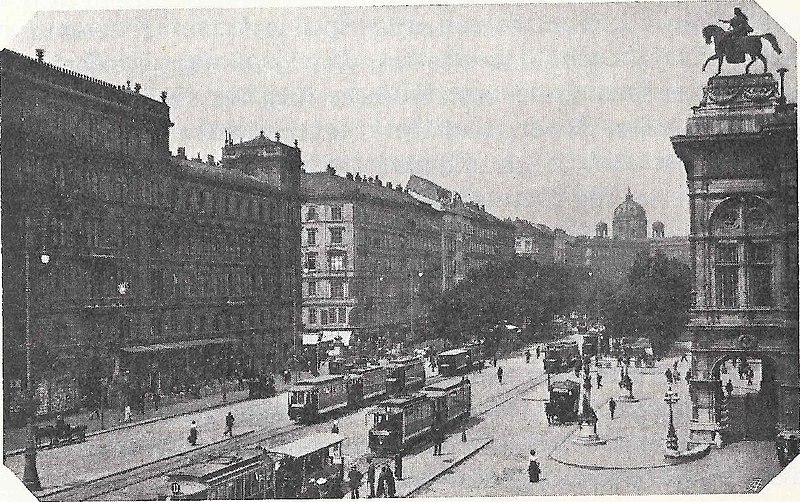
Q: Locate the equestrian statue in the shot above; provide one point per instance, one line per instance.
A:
(737, 42)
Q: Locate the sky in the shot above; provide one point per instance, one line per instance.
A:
(546, 112)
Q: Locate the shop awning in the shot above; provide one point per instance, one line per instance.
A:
(160, 347)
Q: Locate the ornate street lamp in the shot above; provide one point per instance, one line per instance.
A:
(30, 476)
(671, 442)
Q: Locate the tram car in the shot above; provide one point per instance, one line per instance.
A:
(400, 422)
(454, 362)
(477, 356)
(245, 474)
(365, 383)
(311, 399)
(311, 467)
(405, 376)
(560, 356)
(562, 406)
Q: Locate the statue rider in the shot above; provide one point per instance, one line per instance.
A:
(739, 26)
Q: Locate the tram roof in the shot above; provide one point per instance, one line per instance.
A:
(308, 444)
(565, 384)
(400, 401)
(318, 380)
(453, 352)
(445, 384)
(211, 467)
(405, 360)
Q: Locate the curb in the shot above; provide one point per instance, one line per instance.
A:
(448, 468)
(20, 451)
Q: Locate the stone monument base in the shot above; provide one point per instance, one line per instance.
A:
(587, 437)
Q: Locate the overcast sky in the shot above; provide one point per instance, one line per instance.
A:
(545, 112)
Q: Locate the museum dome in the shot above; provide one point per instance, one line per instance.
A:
(629, 208)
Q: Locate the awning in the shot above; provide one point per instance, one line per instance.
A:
(159, 347)
(327, 336)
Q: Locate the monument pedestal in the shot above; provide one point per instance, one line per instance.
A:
(587, 437)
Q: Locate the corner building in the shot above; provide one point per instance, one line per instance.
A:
(371, 259)
(164, 275)
(740, 155)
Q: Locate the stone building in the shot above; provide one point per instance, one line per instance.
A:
(163, 273)
(371, 259)
(471, 236)
(740, 156)
(534, 240)
(630, 220)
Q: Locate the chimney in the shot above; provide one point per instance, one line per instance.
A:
(378, 181)
(389, 185)
(357, 177)
(330, 170)
(371, 180)
(349, 176)
(40, 55)
(399, 187)
(211, 161)
(182, 152)
(137, 87)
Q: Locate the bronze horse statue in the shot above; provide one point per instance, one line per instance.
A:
(735, 49)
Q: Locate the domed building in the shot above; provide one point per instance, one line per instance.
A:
(630, 220)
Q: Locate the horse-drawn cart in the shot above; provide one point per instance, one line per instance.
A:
(59, 434)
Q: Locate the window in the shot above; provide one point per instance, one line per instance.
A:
(337, 262)
(727, 275)
(341, 315)
(311, 236)
(336, 213)
(311, 213)
(311, 261)
(337, 289)
(312, 288)
(323, 316)
(760, 260)
(336, 235)
(312, 316)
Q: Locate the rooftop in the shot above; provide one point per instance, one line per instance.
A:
(326, 184)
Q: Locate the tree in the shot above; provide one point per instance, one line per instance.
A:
(654, 303)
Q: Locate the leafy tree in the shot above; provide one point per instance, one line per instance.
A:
(654, 303)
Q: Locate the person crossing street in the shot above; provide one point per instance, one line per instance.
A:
(228, 425)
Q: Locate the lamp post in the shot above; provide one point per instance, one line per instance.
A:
(671, 442)
(30, 476)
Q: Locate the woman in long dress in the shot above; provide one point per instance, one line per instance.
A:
(533, 467)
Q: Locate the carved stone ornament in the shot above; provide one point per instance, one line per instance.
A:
(747, 342)
(740, 89)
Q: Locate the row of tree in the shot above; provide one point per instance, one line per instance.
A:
(653, 302)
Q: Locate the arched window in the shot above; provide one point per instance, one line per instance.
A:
(743, 247)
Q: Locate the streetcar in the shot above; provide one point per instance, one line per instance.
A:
(245, 474)
(560, 356)
(562, 406)
(454, 362)
(311, 467)
(400, 422)
(364, 384)
(311, 399)
(405, 376)
(476, 354)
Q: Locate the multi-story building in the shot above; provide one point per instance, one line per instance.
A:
(740, 156)
(534, 240)
(371, 258)
(162, 274)
(471, 237)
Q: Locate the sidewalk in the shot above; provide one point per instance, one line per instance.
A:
(14, 438)
(635, 438)
(422, 468)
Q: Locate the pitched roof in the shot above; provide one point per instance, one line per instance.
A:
(322, 184)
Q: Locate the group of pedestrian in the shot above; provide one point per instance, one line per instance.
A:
(386, 486)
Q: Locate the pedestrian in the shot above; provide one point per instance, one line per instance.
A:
(621, 373)
(126, 415)
(438, 439)
(192, 433)
(398, 465)
(229, 425)
(371, 478)
(750, 375)
(729, 387)
(612, 406)
(390, 486)
(538, 352)
(500, 374)
(718, 440)
(599, 379)
(533, 467)
(675, 366)
(354, 481)
(156, 399)
(527, 356)
(494, 361)
(683, 357)
(668, 374)
(382, 483)
(688, 375)
(335, 427)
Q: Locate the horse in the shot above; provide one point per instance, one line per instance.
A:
(735, 52)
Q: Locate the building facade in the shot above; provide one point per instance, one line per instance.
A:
(630, 220)
(471, 236)
(534, 241)
(740, 156)
(164, 274)
(371, 259)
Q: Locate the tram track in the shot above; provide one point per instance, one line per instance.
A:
(120, 480)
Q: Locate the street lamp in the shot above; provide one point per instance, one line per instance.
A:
(30, 476)
(671, 443)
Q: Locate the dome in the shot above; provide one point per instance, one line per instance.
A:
(629, 208)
